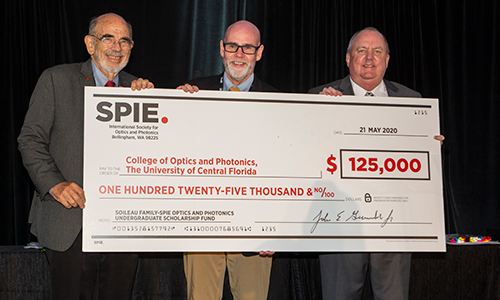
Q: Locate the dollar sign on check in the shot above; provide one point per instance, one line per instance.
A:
(331, 163)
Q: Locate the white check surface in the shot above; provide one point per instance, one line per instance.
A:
(226, 171)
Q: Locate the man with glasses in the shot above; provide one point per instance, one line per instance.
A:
(240, 50)
(249, 273)
(51, 145)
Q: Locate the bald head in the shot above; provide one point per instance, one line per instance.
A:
(106, 18)
(239, 65)
(246, 28)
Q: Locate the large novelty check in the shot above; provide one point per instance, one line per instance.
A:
(166, 170)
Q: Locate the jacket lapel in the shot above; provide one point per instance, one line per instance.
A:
(345, 86)
(88, 76)
(392, 90)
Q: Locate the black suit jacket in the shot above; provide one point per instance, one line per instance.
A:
(344, 85)
(215, 83)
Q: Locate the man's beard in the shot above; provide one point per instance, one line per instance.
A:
(111, 69)
(238, 74)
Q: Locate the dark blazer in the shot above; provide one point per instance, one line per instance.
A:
(344, 85)
(51, 145)
(342, 273)
(214, 83)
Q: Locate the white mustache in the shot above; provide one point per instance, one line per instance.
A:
(114, 53)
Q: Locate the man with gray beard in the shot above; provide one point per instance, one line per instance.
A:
(249, 273)
(240, 50)
(51, 145)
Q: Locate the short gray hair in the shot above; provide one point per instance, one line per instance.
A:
(349, 47)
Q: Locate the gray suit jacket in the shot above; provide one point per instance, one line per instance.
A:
(344, 85)
(51, 145)
(342, 274)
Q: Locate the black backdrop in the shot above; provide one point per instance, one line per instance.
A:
(445, 49)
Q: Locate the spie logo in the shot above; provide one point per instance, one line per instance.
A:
(146, 113)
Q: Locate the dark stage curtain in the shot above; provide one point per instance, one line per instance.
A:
(444, 49)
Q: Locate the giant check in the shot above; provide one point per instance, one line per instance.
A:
(166, 170)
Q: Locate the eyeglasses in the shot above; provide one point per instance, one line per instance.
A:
(246, 49)
(109, 40)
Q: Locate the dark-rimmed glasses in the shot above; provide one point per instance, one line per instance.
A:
(246, 49)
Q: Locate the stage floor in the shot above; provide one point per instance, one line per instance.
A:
(463, 272)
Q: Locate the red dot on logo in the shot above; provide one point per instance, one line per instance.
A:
(164, 120)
